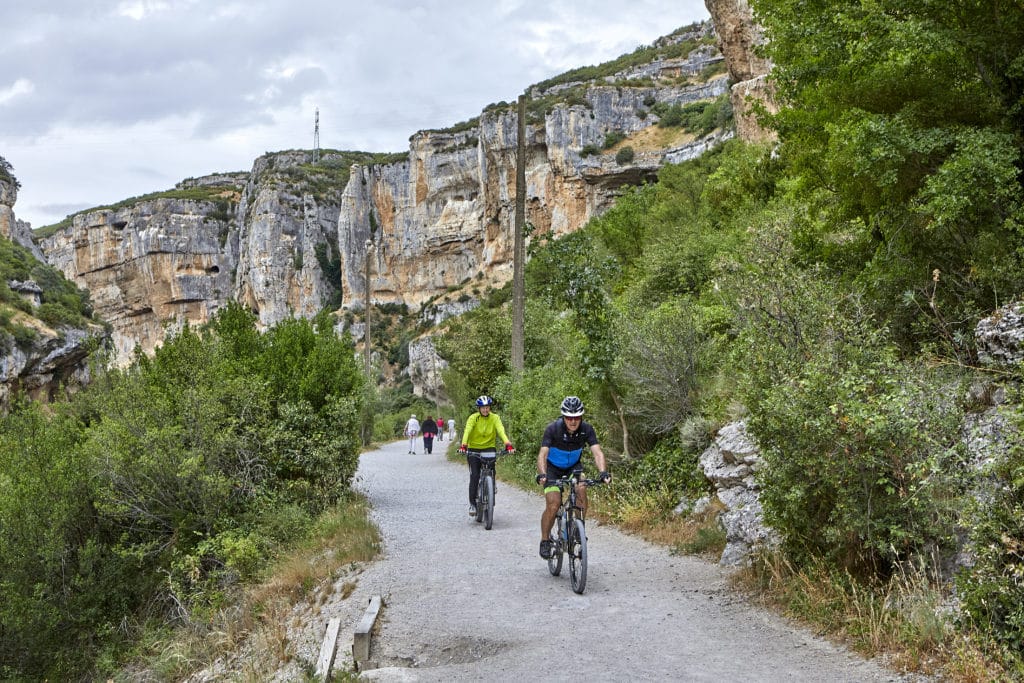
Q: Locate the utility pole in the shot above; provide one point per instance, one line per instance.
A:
(519, 247)
(316, 136)
(366, 310)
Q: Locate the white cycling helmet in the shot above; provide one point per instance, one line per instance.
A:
(572, 406)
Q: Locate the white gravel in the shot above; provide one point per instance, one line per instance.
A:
(463, 603)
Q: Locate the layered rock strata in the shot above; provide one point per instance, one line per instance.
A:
(290, 236)
(150, 267)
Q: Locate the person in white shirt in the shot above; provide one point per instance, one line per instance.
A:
(451, 428)
(412, 429)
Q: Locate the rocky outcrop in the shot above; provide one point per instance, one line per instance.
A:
(52, 362)
(152, 266)
(738, 39)
(730, 464)
(19, 232)
(1000, 337)
(425, 368)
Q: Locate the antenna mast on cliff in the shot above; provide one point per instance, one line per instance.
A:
(316, 136)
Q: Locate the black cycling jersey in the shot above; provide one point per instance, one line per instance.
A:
(565, 448)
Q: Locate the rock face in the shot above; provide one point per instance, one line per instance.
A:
(1000, 336)
(738, 38)
(54, 361)
(155, 265)
(283, 224)
(447, 212)
(730, 464)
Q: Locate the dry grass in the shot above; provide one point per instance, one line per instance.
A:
(647, 513)
(902, 620)
(654, 139)
(258, 618)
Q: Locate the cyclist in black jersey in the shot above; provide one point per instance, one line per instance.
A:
(560, 456)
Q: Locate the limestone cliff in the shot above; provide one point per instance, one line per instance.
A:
(738, 38)
(290, 236)
(156, 263)
(445, 214)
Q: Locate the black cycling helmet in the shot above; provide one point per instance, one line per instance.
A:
(572, 406)
(484, 401)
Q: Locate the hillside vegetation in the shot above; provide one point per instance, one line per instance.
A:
(152, 496)
(825, 290)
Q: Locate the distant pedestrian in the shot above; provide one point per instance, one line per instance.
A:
(451, 428)
(412, 429)
(429, 429)
(440, 429)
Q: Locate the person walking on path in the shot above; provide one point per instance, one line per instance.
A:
(561, 450)
(412, 429)
(451, 428)
(429, 429)
(480, 439)
(440, 429)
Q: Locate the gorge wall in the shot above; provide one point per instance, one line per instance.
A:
(289, 237)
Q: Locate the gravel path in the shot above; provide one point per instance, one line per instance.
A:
(463, 603)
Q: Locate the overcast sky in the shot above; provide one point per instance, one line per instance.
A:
(102, 100)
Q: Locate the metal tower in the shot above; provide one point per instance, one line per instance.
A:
(316, 136)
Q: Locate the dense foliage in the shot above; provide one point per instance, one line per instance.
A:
(826, 290)
(156, 491)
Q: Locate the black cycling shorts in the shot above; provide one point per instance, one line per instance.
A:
(555, 472)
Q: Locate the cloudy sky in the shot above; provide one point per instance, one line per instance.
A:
(101, 100)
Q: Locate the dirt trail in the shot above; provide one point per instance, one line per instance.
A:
(463, 603)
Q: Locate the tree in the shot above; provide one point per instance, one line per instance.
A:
(901, 126)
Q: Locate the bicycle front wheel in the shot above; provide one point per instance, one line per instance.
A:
(578, 556)
(480, 502)
(488, 502)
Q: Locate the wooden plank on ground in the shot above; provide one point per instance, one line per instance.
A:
(327, 650)
(361, 638)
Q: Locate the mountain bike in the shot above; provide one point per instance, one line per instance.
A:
(569, 537)
(486, 488)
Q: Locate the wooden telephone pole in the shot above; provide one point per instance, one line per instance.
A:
(366, 310)
(519, 247)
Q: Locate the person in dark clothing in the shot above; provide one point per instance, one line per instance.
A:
(429, 430)
(561, 450)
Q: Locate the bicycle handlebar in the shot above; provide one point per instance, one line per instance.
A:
(564, 481)
(483, 451)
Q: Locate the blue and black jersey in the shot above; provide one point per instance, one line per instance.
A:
(565, 449)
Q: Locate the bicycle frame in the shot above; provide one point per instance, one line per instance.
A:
(571, 538)
(487, 485)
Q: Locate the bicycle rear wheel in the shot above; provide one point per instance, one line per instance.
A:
(555, 561)
(578, 556)
(488, 502)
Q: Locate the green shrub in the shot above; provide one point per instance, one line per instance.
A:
(862, 452)
(613, 138)
(624, 155)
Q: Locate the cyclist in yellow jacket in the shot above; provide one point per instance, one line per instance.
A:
(481, 435)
